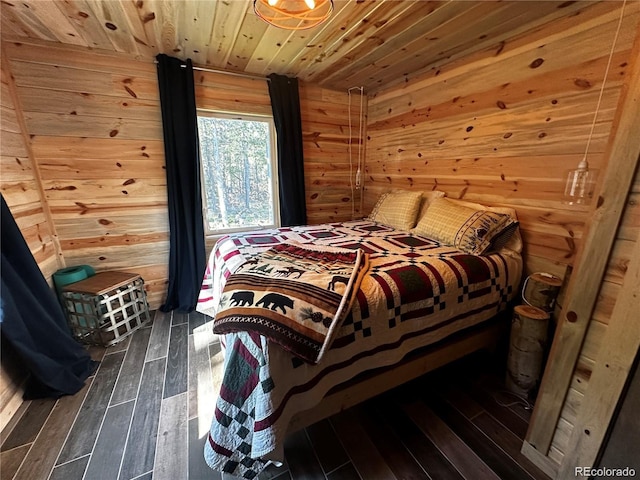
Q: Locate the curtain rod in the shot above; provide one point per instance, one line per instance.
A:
(225, 72)
(236, 74)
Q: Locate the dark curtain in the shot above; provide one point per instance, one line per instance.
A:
(182, 155)
(285, 103)
(33, 322)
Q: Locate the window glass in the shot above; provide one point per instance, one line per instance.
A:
(239, 177)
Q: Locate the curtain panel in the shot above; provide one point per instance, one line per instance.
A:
(187, 256)
(33, 322)
(285, 104)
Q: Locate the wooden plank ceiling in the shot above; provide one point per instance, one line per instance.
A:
(367, 43)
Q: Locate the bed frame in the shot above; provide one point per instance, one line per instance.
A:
(367, 385)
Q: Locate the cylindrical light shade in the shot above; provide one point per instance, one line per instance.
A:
(293, 14)
(580, 186)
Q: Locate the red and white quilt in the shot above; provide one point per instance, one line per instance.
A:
(416, 292)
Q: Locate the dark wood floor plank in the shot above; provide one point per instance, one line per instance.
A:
(284, 476)
(522, 410)
(205, 374)
(10, 461)
(43, 454)
(146, 476)
(176, 377)
(421, 447)
(482, 445)
(141, 443)
(508, 442)
(465, 404)
(96, 352)
(179, 318)
(172, 459)
(363, 453)
(198, 468)
(327, 446)
(399, 460)
(500, 435)
(345, 472)
(159, 341)
(303, 463)
(107, 453)
(194, 362)
(31, 423)
(503, 414)
(495, 387)
(459, 454)
(72, 470)
(129, 380)
(272, 472)
(85, 428)
(121, 346)
(197, 319)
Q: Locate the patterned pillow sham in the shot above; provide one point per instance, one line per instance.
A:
(397, 209)
(514, 239)
(470, 230)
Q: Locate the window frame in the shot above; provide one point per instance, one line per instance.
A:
(200, 112)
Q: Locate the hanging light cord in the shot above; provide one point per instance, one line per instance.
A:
(353, 204)
(604, 80)
(358, 172)
(360, 140)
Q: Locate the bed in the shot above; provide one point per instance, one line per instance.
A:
(417, 295)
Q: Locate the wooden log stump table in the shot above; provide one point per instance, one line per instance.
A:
(527, 347)
(541, 290)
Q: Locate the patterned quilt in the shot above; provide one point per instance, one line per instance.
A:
(416, 293)
(295, 295)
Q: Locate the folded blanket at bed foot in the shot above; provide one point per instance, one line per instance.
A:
(295, 295)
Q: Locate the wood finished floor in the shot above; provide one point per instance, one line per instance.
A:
(146, 411)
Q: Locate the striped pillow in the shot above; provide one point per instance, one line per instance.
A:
(470, 230)
(427, 198)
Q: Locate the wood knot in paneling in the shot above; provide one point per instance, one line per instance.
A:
(582, 83)
(536, 63)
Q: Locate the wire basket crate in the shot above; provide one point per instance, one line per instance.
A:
(106, 308)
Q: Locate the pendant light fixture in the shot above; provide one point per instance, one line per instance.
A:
(293, 14)
(580, 183)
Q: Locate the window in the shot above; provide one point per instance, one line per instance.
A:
(239, 174)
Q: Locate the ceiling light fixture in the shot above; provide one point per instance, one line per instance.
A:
(293, 14)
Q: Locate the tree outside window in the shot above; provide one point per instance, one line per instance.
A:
(239, 174)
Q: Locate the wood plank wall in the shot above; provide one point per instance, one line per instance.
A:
(627, 235)
(96, 132)
(503, 125)
(502, 128)
(95, 127)
(19, 183)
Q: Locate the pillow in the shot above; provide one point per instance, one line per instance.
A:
(397, 209)
(514, 242)
(474, 231)
(427, 198)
